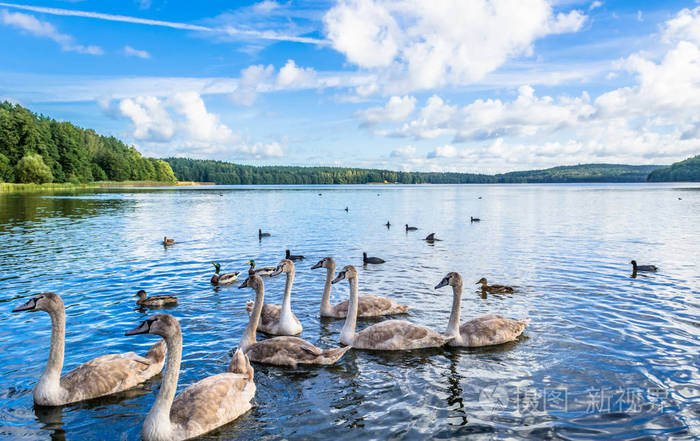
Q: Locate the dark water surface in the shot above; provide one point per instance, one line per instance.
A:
(606, 356)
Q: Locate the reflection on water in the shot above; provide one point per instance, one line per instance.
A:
(607, 354)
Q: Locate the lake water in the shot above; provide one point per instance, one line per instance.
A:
(606, 356)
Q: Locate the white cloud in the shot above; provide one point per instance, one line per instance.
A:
(416, 45)
(445, 151)
(293, 77)
(253, 79)
(38, 28)
(181, 124)
(595, 5)
(403, 152)
(395, 110)
(685, 26)
(131, 52)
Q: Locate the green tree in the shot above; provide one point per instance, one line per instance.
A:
(32, 168)
(7, 174)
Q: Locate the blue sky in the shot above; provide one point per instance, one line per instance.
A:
(477, 86)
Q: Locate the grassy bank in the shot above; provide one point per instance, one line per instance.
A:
(6, 187)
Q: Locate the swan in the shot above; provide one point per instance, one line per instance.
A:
(375, 260)
(223, 279)
(389, 335)
(368, 306)
(262, 272)
(645, 268)
(487, 330)
(152, 301)
(202, 406)
(280, 351)
(494, 289)
(279, 319)
(167, 242)
(290, 256)
(410, 228)
(98, 377)
(261, 234)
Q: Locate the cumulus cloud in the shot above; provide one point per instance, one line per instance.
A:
(292, 76)
(403, 152)
(395, 110)
(131, 52)
(30, 24)
(415, 45)
(182, 123)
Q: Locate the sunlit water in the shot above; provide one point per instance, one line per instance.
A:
(606, 356)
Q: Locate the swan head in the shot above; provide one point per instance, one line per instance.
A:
(482, 281)
(47, 301)
(164, 325)
(348, 272)
(285, 266)
(452, 279)
(253, 281)
(326, 262)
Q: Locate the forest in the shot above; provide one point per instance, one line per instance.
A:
(688, 170)
(38, 149)
(228, 173)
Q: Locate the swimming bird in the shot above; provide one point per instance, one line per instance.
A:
(375, 260)
(389, 335)
(486, 330)
(410, 228)
(280, 351)
(347, 209)
(261, 234)
(223, 279)
(643, 268)
(290, 256)
(474, 219)
(203, 406)
(279, 319)
(167, 242)
(494, 289)
(105, 375)
(368, 305)
(431, 238)
(387, 224)
(262, 272)
(160, 300)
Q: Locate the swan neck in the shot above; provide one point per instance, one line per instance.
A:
(158, 419)
(287, 300)
(347, 334)
(326, 298)
(248, 338)
(453, 325)
(52, 373)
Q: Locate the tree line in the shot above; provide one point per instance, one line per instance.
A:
(226, 173)
(688, 170)
(38, 149)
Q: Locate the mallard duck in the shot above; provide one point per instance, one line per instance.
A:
(487, 330)
(159, 300)
(410, 228)
(368, 305)
(375, 260)
(643, 268)
(291, 256)
(494, 289)
(474, 219)
(261, 234)
(167, 242)
(262, 272)
(389, 335)
(223, 279)
(201, 407)
(280, 351)
(105, 375)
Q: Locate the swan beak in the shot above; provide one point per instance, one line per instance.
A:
(318, 265)
(143, 328)
(341, 276)
(442, 283)
(29, 306)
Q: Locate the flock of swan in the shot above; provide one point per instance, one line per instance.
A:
(219, 399)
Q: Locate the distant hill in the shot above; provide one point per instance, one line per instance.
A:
(228, 173)
(688, 170)
(38, 149)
